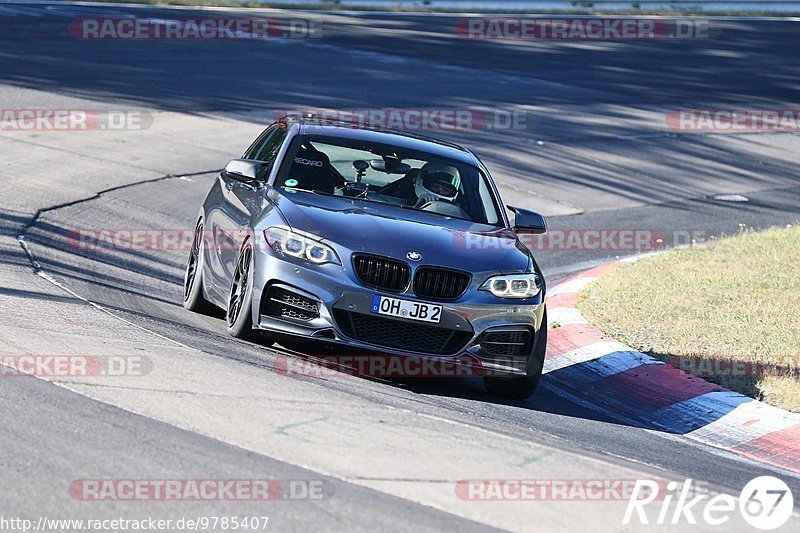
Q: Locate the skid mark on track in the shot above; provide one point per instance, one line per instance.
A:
(530, 460)
(37, 268)
(284, 429)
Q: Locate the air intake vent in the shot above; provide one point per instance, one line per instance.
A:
(281, 303)
(506, 342)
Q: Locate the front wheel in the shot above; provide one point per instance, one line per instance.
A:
(239, 315)
(522, 387)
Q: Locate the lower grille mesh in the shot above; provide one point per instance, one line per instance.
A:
(400, 334)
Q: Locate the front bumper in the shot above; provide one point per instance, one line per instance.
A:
(498, 334)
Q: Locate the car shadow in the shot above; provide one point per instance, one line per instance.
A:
(578, 391)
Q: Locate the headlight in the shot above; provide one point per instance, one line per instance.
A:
(305, 247)
(513, 285)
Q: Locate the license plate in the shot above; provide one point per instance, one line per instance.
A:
(383, 305)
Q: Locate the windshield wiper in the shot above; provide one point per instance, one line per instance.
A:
(312, 191)
(412, 208)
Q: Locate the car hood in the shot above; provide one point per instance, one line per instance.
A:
(358, 226)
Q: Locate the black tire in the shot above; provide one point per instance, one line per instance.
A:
(239, 312)
(522, 387)
(193, 298)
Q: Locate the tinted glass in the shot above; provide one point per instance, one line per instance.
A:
(385, 174)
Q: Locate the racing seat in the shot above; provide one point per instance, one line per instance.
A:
(313, 171)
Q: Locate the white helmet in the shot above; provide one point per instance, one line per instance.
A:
(436, 182)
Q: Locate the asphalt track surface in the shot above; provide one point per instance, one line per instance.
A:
(595, 153)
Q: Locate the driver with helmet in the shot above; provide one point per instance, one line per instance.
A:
(436, 183)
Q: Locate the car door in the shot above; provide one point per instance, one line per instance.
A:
(231, 222)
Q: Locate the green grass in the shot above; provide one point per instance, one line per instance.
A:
(734, 300)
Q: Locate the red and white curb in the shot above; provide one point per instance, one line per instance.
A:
(640, 389)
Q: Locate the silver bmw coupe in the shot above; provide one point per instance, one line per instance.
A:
(327, 232)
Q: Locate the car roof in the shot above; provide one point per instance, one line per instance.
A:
(314, 125)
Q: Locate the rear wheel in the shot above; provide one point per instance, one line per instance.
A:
(522, 387)
(193, 298)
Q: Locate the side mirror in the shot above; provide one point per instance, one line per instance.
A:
(528, 221)
(244, 170)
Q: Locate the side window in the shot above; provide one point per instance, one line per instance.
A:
(267, 145)
(253, 149)
(266, 148)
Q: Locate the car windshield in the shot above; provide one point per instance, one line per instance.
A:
(390, 175)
